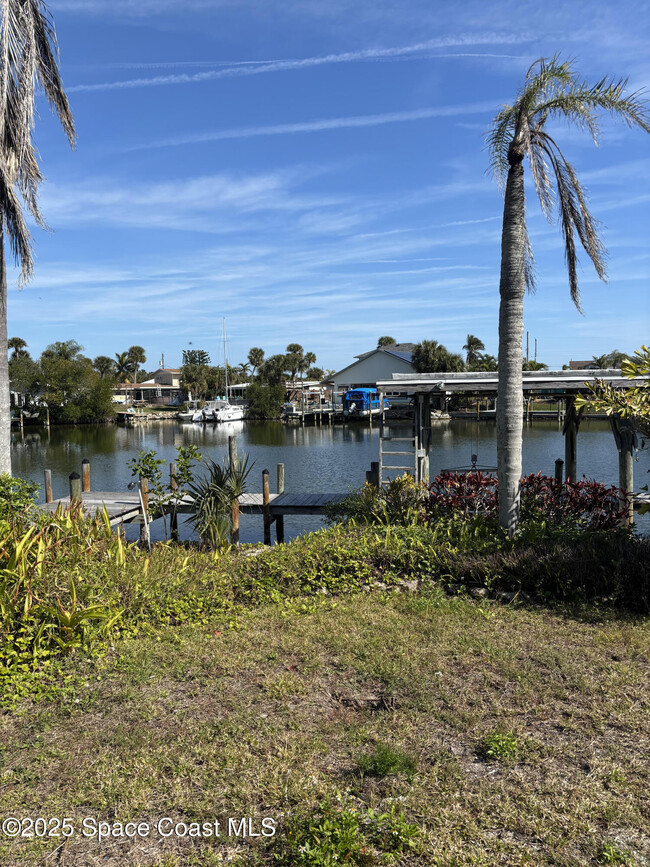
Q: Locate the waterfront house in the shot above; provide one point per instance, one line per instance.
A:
(370, 367)
(163, 388)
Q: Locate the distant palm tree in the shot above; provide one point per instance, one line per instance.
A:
(486, 362)
(104, 365)
(616, 358)
(28, 53)
(256, 357)
(534, 365)
(309, 359)
(136, 356)
(551, 92)
(18, 347)
(242, 370)
(473, 346)
(123, 367)
(294, 359)
(600, 362)
(429, 356)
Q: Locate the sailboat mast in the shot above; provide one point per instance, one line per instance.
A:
(225, 357)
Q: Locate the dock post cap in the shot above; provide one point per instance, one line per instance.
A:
(74, 476)
(85, 461)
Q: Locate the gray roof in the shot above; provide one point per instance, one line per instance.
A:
(401, 350)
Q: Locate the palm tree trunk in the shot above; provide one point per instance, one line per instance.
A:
(5, 399)
(511, 332)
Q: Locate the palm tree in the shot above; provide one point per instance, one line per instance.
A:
(136, 357)
(18, 347)
(28, 52)
(123, 366)
(601, 362)
(308, 361)
(551, 92)
(486, 362)
(256, 357)
(429, 356)
(104, 365)
(616, 358)
(473, 346)
(294, 359)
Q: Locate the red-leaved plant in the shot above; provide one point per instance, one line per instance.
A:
(587, 503)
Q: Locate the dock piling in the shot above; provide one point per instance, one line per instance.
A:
(85, 475)
(75, 488)
(266, 507)
(144, 527)
(232, 451)
(173, 521)
(48, 486)
(625, 443)
(559, 469)
(279, 519)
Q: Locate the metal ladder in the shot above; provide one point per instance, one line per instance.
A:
(409, 452)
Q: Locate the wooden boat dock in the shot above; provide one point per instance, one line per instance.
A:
(128, 507)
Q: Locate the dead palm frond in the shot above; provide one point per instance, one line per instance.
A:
(28, 58)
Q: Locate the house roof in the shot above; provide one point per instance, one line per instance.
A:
(400, 350)
(403, 355)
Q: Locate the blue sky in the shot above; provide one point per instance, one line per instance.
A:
(314, 171)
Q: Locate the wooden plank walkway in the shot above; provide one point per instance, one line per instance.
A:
(124, 507)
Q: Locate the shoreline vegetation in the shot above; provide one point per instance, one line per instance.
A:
(408, 686)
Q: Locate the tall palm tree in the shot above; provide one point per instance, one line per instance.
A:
(473, 346)
(551, 92)
(136, 356)
(28, 57)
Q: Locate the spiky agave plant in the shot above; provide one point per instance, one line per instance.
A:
(213, 496)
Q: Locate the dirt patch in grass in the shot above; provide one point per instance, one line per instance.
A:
(198, 724)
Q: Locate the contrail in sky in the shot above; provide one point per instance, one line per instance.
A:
(246, 69)
(320, 125)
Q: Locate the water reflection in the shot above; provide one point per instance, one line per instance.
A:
(316, 457)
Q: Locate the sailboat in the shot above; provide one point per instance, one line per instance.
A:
(227, 411)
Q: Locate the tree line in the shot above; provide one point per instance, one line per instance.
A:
(63, 381)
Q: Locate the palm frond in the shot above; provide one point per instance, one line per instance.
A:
(497, 142)
(575, 217)
(28, 58)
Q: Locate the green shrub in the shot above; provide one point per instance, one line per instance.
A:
(400, 502)
(344, 831)
(499, 745)
(17, 496)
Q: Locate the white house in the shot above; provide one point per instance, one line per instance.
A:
(370, 367)
(162, 388)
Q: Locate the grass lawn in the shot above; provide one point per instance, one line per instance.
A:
(505, 734)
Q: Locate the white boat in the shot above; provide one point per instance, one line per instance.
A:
(228, 411)
(211, 408)
(188, 414)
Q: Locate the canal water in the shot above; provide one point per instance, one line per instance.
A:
(316, 459)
